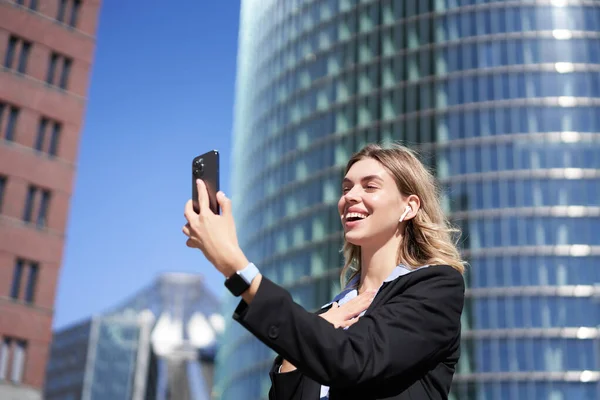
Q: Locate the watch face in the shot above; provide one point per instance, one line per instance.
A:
(236, 284)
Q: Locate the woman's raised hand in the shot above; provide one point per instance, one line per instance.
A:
(214, 234)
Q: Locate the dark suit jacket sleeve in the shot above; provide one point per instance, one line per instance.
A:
(409, 331)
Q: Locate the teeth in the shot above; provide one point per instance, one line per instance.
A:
(355, 215)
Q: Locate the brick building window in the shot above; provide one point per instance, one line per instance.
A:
(24, 270)
(68, 12)
(12, 359)
(48, 136)
(32, 4)
(36, 206)
(8, 121)
(17, 54)
(59, 69)
(2, 188)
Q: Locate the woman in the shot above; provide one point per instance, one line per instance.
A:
(395, 333)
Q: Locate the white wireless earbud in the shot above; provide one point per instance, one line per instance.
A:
(406, 211)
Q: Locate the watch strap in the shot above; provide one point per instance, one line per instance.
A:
(241, 280)
(248, 273)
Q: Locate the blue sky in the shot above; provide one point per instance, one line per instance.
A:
(161, 92)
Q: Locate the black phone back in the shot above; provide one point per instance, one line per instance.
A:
(206, 167)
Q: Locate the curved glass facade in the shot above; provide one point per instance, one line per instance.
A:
(503, 100)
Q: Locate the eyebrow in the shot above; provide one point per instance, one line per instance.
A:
(364, 178)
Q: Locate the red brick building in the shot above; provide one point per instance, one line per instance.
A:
(46, 54)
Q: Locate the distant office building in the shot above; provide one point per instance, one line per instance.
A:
(502, 98)
(158, 345)
(46, 53)
(103, 358)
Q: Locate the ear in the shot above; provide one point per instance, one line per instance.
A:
(415, 203)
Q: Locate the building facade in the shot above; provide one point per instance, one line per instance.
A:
(502, 98)
(46, 51)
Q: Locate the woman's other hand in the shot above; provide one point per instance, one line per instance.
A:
(214, 234)
(348, 313)
(341, 316)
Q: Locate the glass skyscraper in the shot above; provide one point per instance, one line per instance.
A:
(503, 100)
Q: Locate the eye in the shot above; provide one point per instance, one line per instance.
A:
(372, 187)
(345, 189)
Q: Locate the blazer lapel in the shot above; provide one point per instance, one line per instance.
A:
(384, 291)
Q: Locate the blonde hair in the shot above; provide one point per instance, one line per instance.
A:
(429, 238)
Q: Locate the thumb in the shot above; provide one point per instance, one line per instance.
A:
(224, 202)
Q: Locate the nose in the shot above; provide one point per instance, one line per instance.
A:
(351, 197)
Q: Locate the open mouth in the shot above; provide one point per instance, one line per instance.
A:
(354, 216)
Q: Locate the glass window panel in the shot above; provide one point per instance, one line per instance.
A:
(5, 347)
(387, 42)
(365, 112)
(10, 51)
(411, 8)
(16, 282)
(24, 57)
(425, 63)
(387, 12)
(13, 115)
(441, 99)
(451, 27)
(64, 76)
(368, 18)
(425, 31)
(345, 5)
(425, 96)
(18, 361)
(412, 35)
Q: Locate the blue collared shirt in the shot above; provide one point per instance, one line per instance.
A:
(351, 292)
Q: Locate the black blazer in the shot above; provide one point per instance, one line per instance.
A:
(405, 346)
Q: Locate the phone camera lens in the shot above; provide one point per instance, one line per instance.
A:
(198, 166)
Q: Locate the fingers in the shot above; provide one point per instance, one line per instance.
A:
(203, 201)
(325, 315)
(358, 304)
(225, 203)
(189, 212)
(186, 230)
(349, 322)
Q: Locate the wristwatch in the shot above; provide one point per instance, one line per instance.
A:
(239, 282)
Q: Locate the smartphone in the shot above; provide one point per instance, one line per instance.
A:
(206, 167)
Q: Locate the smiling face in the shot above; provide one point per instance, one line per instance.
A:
(371, 204)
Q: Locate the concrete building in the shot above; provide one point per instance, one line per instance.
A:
(46, 53)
